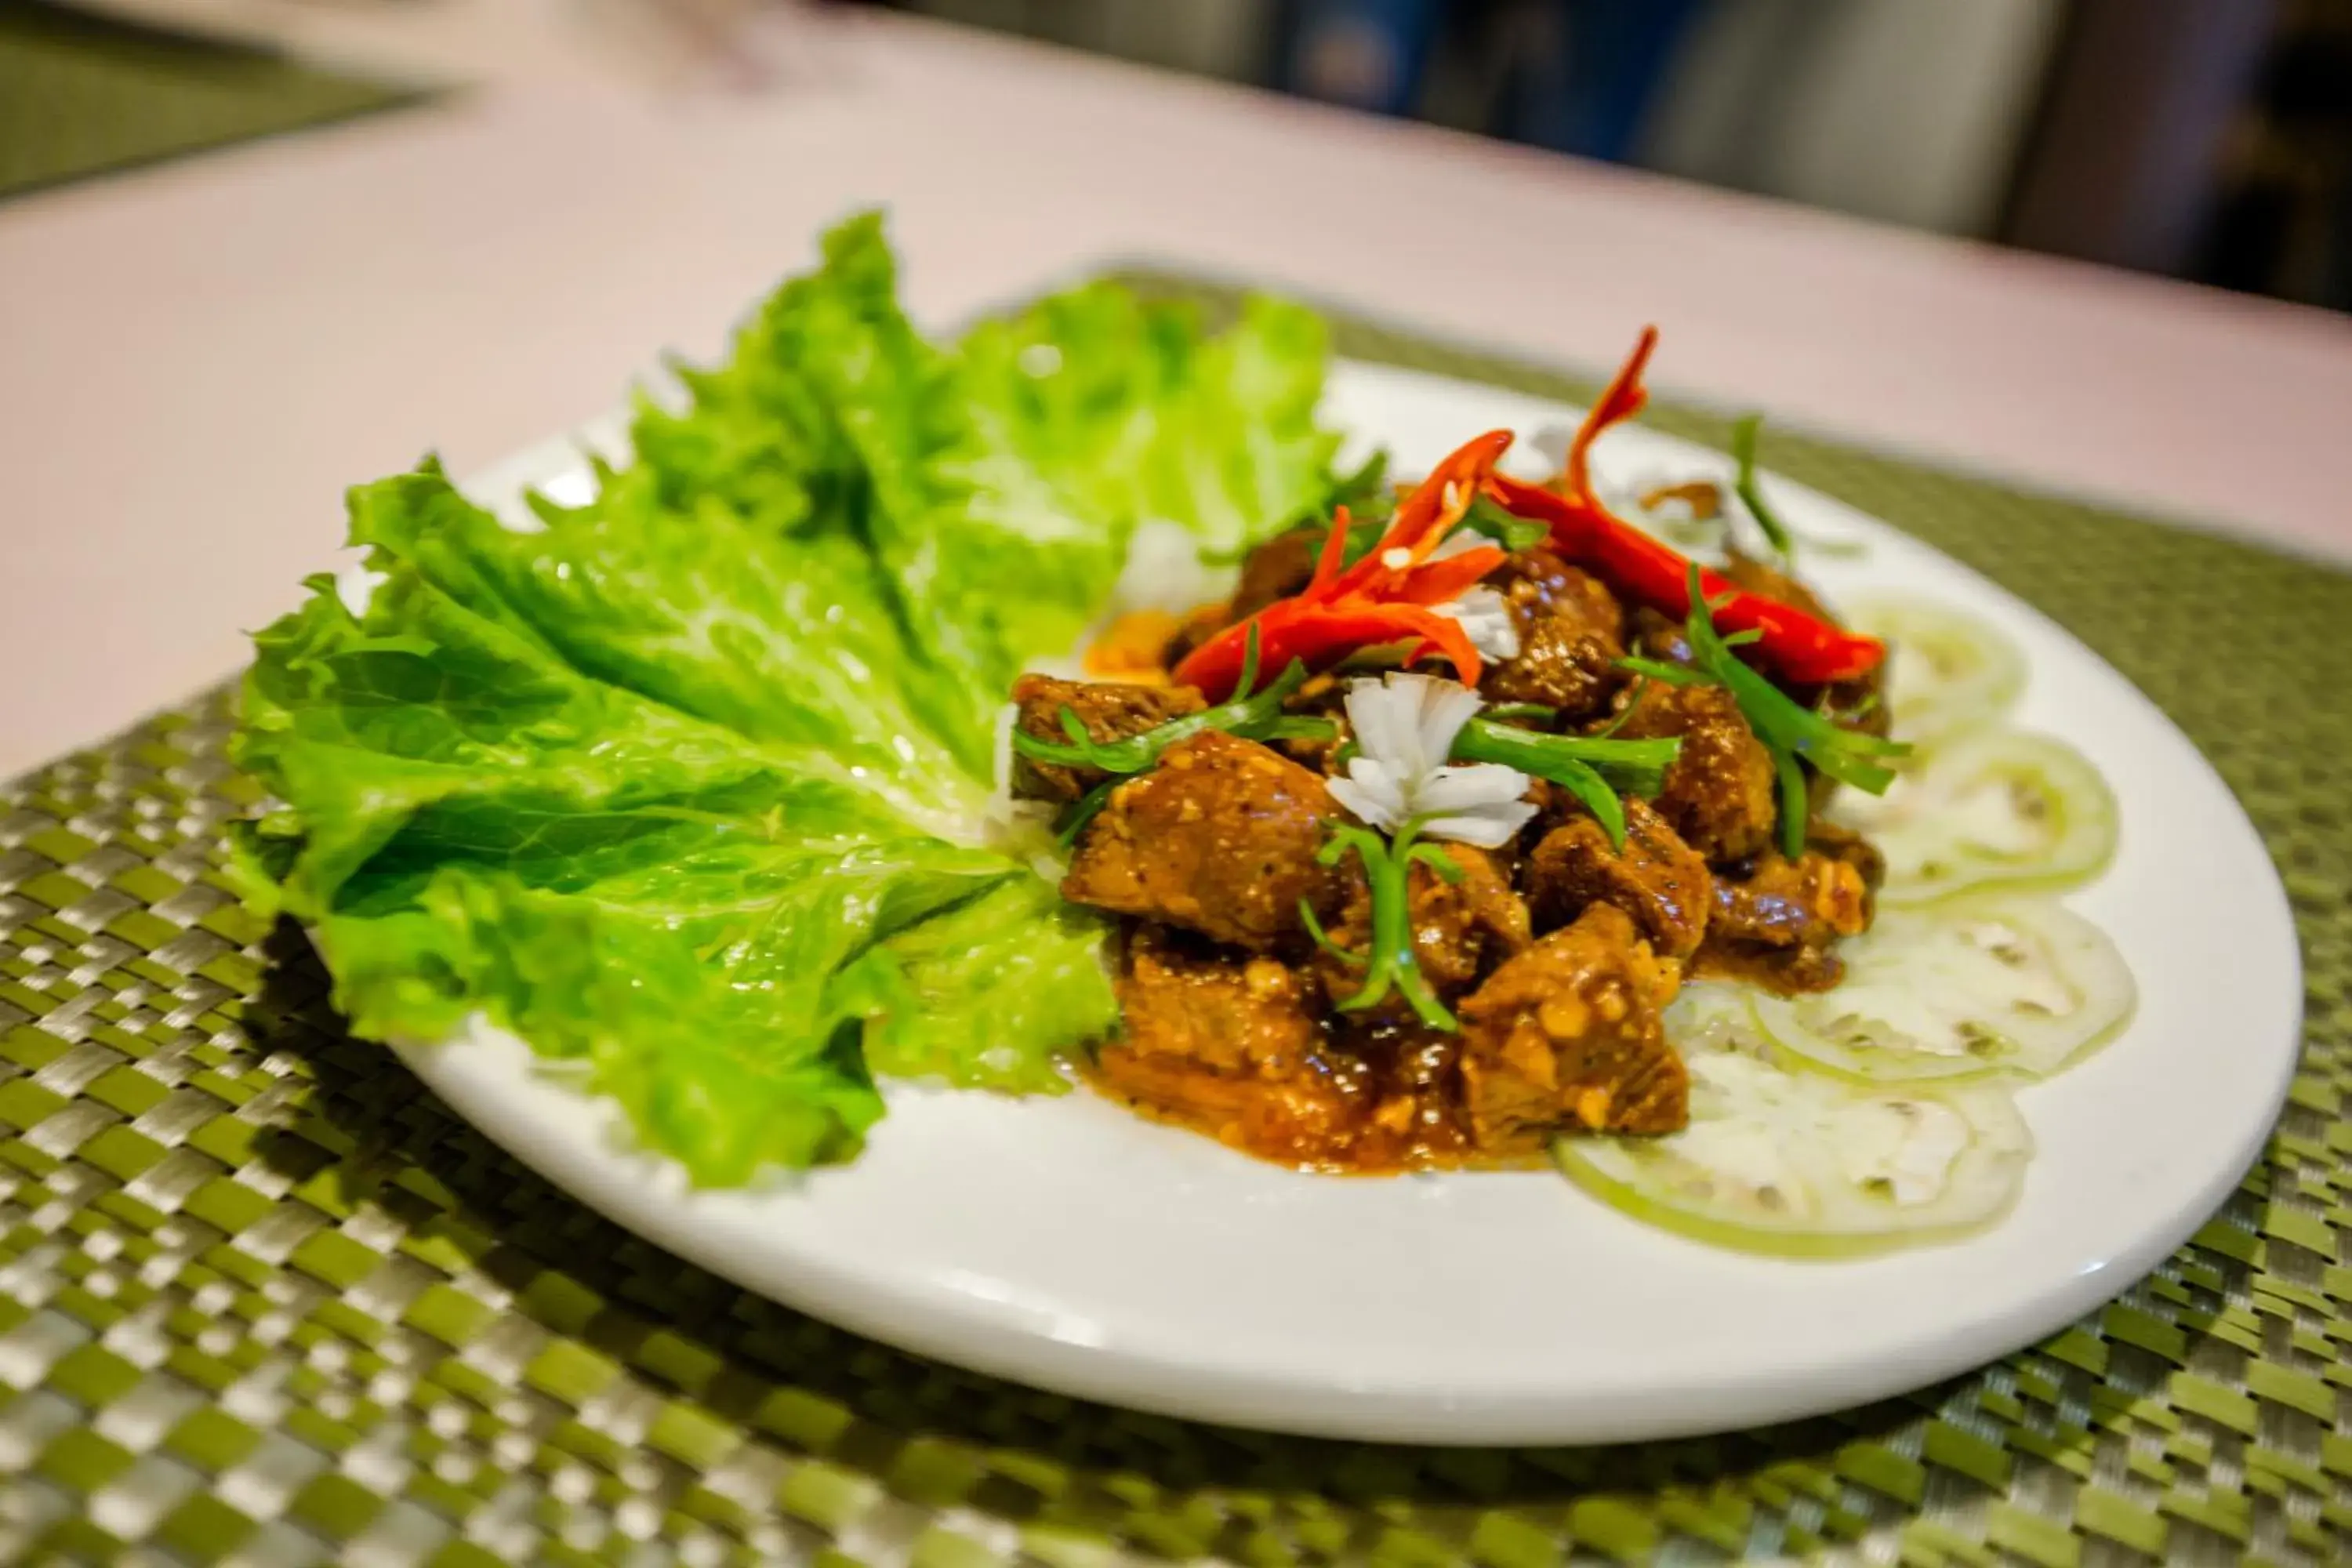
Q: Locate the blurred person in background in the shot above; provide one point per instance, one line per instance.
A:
(1575, 75)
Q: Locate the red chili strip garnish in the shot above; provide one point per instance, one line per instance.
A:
(1384, 598)
(1798, 646)
(1801, 648)
(1620, 400)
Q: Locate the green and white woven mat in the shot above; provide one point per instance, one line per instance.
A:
(264, 1300)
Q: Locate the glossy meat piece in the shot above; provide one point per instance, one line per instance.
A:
(1657, 634)
(1460, 929)
(1823, 837)
(1227, 1012)
(1234, 1045)
(1276, 569)
(1777, 925)
(1220, 839)
(1227, 1043)
(1566, 1036)
(1657, 879)
(1109, 710)
(1762, 577)
(1718, 795)
(1323, 697)
(1192, 630)
(1571, 634)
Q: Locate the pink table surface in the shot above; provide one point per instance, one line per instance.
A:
(195, 359)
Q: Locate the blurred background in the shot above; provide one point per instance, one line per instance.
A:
(2210, 140)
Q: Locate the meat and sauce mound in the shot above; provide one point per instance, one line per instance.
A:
(1414, 837)
(1372, 918)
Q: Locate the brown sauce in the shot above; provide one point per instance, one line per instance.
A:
(1386, 1101)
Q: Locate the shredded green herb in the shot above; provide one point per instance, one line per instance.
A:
(1515, 712)
(1083, 810)
(1512, 533)
(1796, 804)
(1751, 494)
(1368, 486)
(1639, 766)
(1584, 782)
(1392, 961)
(1791, 732)
(1633, 696)
(1659, 670)
(1251, 716)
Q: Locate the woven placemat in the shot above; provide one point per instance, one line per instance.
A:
(263, 1300)
(83, 95)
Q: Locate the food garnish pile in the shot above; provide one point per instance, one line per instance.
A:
(1472, 819)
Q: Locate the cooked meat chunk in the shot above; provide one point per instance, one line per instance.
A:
(1414, 1112)
(1775, 925)
(1658, 879)
(1844, 844)
(1566, 1036)
(1812, 900)
(1718, 794)
(1659, 635)
(1762, 577)
(1323, 697)
(1190, 631)
(1109, 711)
(1703, 496)
(1571, 634)
(1227, 1012)
(1460, 929)
(1226, 1042)
(1276, 569)
(1220, 839)
(1229, 1043)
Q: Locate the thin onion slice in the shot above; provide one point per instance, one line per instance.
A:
(1969, 989)
(1946, 672)
(1999, 808)
(1799, 1165)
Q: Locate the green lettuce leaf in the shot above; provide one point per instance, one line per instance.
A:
(689, 786)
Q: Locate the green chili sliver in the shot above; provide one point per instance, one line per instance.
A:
(1777, 717)
(1796, 804)
(1639, 766)
(1254, 716)
(1659, 670)
(1790, 731)
(1751, 494)
(1512, 713)
(1392, 961)
(1512, 533)
(1083, 810)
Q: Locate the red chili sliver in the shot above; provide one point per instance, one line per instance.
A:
(1384, 598)
(1801, 648)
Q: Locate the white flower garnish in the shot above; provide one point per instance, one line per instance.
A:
(1404, 726)
(1482, 611)
(1485, 616)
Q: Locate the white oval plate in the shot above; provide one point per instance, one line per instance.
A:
(1066, 1244)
